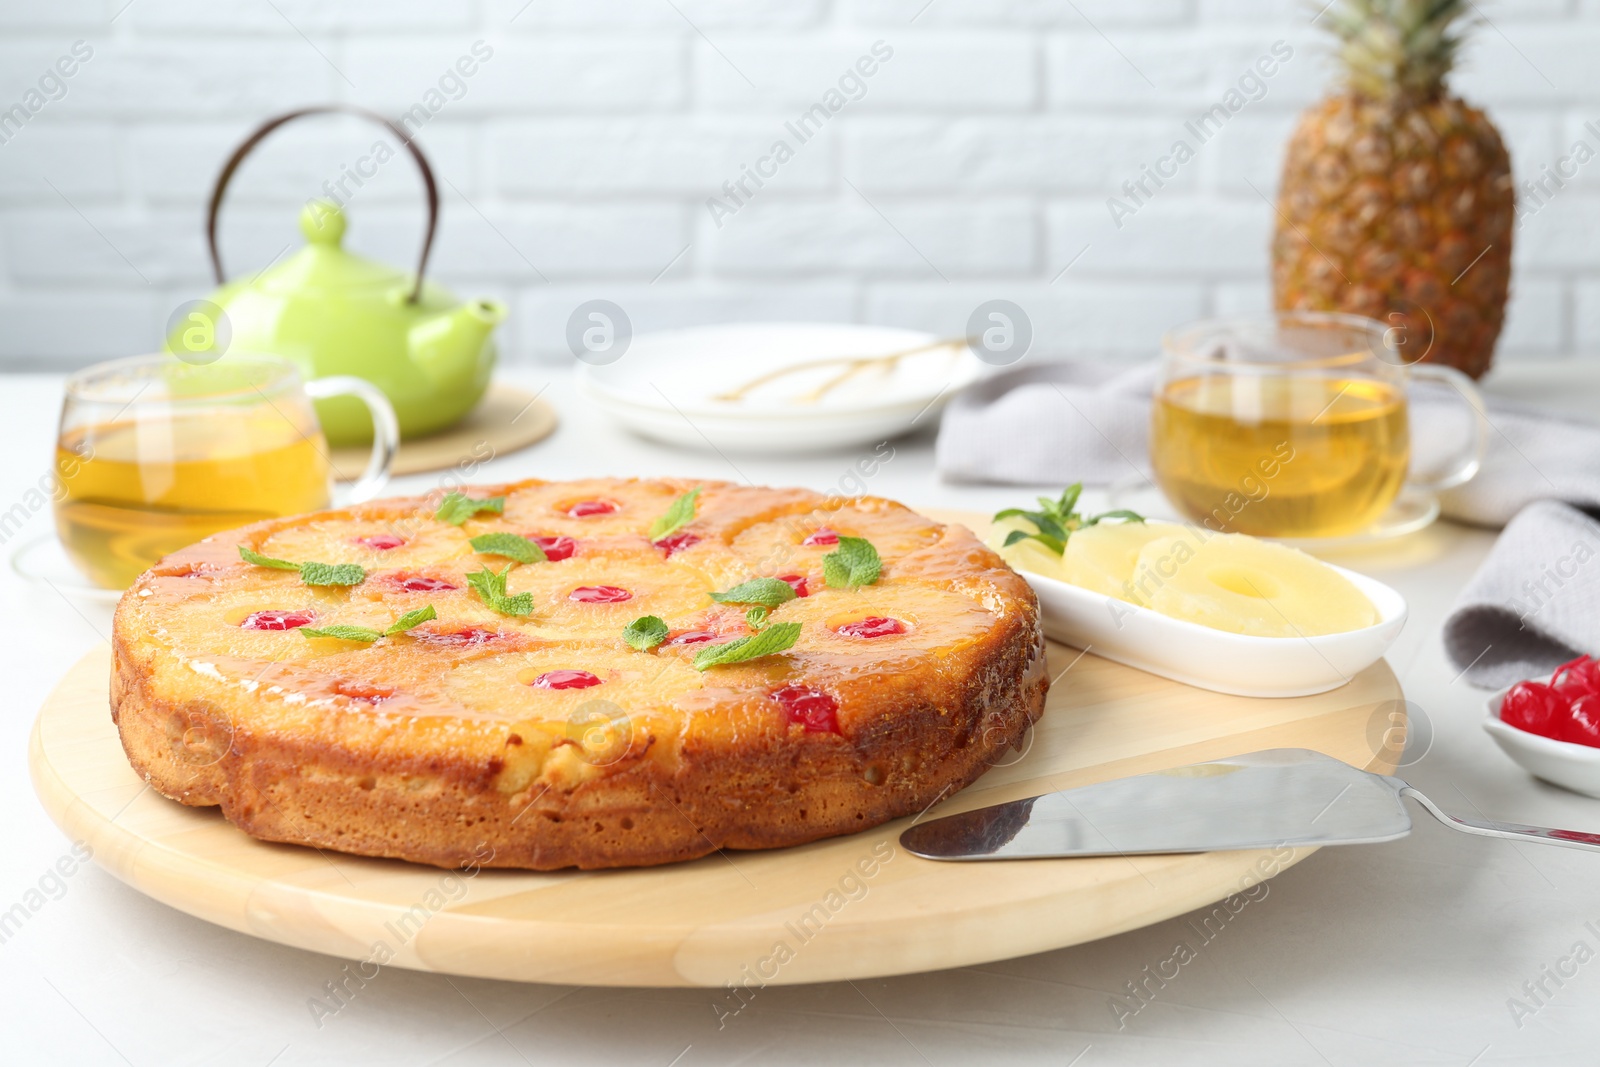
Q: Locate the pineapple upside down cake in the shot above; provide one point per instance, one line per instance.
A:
(601, 673)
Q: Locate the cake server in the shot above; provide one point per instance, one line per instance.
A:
(1268, 799)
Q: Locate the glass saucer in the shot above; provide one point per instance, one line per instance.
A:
(42, 561)
(1412, 510)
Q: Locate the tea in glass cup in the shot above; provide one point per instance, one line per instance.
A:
(154, 453)
(1293, 425)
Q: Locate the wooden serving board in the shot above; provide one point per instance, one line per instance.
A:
(850, 907)
(507, 419)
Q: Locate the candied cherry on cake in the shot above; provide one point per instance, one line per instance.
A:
(585, 509)
(812, 708)
(599, 594)
(1534, 707)
(276, 620)
(822, 536)
(797, 582)
(382, 542)
(871, 626)
(689, 637)
(565, 679)
(471, 637)
(677, 542)
(363, 691)
(556, 547)
(421, 583)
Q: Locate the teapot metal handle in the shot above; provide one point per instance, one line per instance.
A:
(226, 175)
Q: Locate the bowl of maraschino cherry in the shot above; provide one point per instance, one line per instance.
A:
(1553, 728)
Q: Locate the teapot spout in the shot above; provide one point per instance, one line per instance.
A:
(450, 346)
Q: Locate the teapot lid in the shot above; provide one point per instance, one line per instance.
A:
(323, 264)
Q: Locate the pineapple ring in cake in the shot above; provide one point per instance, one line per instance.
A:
(521, 724)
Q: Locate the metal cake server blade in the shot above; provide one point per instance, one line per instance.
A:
(1277, 797)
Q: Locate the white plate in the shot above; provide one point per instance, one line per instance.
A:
(1213, 659)
(1571, 766)
(665, 386)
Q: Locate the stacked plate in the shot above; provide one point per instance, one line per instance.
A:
(769, 388)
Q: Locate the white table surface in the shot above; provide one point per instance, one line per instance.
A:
(1406, 952)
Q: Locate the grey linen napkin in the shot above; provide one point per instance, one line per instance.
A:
(1055, 423)
(1535, 602)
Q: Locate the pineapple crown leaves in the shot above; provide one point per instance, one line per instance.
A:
(1400, 48)
(1056, 520)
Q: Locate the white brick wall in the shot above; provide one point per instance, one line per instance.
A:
(577, 160)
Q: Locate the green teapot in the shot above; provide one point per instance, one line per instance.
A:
(335, 313)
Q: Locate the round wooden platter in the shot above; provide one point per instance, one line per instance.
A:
(849, 907)
(507, 419)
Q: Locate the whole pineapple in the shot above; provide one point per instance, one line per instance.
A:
(1397, 201)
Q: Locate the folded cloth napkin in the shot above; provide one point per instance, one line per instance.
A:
(1535, 601)
(1055, 423)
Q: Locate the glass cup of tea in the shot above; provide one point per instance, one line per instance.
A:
(155, 453)
(1294, 424)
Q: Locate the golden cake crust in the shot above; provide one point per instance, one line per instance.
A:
(432, 746)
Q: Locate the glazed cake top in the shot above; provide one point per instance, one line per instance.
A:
(555, 660)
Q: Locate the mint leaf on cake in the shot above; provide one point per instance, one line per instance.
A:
(645, 633)
(509, 545)
(767, 592)
(311, 573)
(855, 562)
(457, 508)
(776, 638)
(679, 515)
(491, 589)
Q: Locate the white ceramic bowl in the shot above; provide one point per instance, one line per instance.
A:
(665, 386)
(1215, 659)
(1571, 766)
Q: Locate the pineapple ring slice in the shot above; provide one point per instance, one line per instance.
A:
(1103, 557)
(1237, 583)
(1028, 555)
(339, 541)
(630, 685)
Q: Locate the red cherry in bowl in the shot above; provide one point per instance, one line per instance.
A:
(822, 536)
(1534, 707)
(871, 626)
(565, 680)
(1581, 725)
(599, 594)
(585, 509)
(1576, 678)
(556, 548)
(797, 582)
(812, 708)
(276, 620)
(690, 637)
(677, 542)
(381, 542)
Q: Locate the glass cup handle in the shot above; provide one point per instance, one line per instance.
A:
(1472, 460)
(385, 429)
